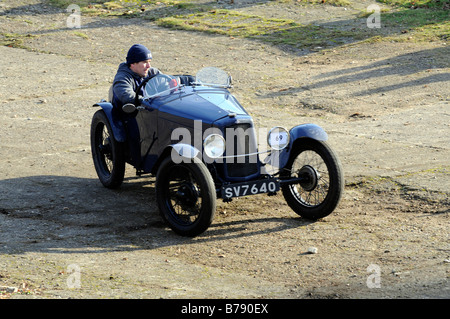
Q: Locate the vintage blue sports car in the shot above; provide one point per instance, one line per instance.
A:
(200, 143)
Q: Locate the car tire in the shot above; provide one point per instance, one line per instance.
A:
(186, 196)
(320, 192)
(107, 153)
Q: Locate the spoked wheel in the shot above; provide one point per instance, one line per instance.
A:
(322, 181)
(107, 153)
(186, 196)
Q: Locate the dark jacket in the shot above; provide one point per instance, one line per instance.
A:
(125, 85)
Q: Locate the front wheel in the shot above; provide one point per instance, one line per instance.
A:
(107, 153)
(186, 196)
(322, 184)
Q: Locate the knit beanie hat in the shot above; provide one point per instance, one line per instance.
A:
(138, 53)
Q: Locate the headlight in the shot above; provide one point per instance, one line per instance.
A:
(278, 138)
(214, 145)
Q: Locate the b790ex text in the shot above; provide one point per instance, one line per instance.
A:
(236, 308)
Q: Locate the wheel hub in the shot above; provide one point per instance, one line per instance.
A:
(188, 194)
(310, 178)
(105, 148)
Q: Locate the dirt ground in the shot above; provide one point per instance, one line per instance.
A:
(385, 106)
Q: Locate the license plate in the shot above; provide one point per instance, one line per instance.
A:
(250, 188)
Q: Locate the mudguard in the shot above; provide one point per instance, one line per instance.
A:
(307, 130)
(279, 159)
(182, 152)
(116, 124)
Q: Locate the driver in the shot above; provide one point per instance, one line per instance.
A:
(130, 74)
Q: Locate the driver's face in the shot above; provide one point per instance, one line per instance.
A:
(141, 68)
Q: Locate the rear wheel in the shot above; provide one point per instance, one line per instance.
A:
(107, 153)
(322, 179)
(186, 196)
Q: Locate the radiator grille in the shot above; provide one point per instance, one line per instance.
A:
(240, 143)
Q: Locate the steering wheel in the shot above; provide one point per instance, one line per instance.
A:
(161, 86)
(162, 83)
(138, 89)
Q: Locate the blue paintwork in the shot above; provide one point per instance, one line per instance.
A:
(280, 158)
(114, 120)
(182, 108)
(149, 133)
(307, 130)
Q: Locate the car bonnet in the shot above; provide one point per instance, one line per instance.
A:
(207, 105)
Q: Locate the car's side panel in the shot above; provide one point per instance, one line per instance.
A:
(147, 125)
